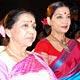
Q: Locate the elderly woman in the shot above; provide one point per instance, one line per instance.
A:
(15, 62)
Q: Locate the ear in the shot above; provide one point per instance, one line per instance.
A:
(48, 20)
(8, 33)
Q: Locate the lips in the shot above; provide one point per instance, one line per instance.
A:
(30, 38)
(64, 27)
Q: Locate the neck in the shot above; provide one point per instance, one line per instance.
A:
(15, 56)
(59, 38)
(16, 52)
(16, 48)
(62, 41)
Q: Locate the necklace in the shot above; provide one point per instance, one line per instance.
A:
(63, 43)
(15, 55)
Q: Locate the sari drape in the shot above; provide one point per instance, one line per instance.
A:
(28, 68)
(67, 65)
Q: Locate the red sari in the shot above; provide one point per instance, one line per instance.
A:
(66, 65)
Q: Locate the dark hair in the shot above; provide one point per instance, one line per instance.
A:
(50, 12)
(12, 17)
(77, 34)
(46, 31)
(52, 7)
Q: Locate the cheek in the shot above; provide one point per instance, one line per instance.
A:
(34, 36)
(14, 33)
(69, 22)
(35, 33)
(16, 36)
(56, 24)
(53, 22)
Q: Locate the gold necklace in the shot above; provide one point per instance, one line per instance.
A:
(14, 55)
(63, 43)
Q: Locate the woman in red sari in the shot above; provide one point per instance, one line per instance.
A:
(61, 53)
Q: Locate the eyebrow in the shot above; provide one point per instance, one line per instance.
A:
(62, 14)
(30, 21)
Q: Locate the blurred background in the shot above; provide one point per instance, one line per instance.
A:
(38, 7)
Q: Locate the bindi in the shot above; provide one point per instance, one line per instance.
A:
(64, 12)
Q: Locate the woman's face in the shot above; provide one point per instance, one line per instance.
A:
(60, 20)
(23, 32)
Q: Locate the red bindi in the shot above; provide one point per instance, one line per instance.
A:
(64, 12)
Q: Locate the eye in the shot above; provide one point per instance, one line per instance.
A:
(34, 26)
(25, 25)
(59, 17)
(68, 16)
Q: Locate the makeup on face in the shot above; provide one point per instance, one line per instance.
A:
(64, 12)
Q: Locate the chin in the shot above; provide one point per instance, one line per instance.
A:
(29, 45)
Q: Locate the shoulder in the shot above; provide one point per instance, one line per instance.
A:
(3, 55)
(37, 55)
(2, 48)
(3, 60)
(3, 71)
(75, 44)
(42, 45)
(43, 42)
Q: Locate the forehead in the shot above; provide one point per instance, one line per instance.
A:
(62, 10)
(26, 17)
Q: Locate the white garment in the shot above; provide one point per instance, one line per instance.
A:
(41, 75)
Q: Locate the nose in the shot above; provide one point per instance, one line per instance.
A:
(31, 29)
(65, 20)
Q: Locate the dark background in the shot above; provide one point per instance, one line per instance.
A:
(38, 7)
